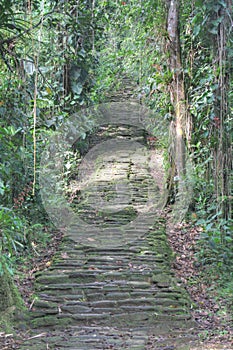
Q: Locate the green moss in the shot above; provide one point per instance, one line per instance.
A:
(50, 321)
(10, 300)
(8, 292)
(162, 280)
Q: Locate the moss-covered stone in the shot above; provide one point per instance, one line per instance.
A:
(162, 280)
(50, 321)
(9, 295)
(10, 300)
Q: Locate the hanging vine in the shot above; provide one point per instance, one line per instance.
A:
(222, 119)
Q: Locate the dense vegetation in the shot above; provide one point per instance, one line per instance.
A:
(60, 56)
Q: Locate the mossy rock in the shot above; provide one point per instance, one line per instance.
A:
(10, 300)
(50, 321)
(9, 295)
(162, 280)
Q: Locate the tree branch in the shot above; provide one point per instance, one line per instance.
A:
(26, 31)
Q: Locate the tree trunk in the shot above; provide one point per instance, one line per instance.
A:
(224, 150)
(177, 91)
(177, 95)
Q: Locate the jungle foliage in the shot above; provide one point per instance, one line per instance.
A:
(60, 56)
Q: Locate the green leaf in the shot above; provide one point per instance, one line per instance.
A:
(223, 3)
(196, 30)
(77, 88)
(213, 30)
(2, 187)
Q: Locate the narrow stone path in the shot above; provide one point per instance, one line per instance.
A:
(110, 286)
(93, 298)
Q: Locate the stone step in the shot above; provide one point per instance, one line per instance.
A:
(140, 274)
(107, 261)
(70, 310)
(98, 297)
(94, 270)
(114, 304)
(118, 285)
(93, 338)
(148, 318)
(134, 247)
(116, 295)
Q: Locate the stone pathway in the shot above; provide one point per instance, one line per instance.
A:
(110, 286)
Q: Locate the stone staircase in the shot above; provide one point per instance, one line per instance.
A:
(110, 286)
(93, 298)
